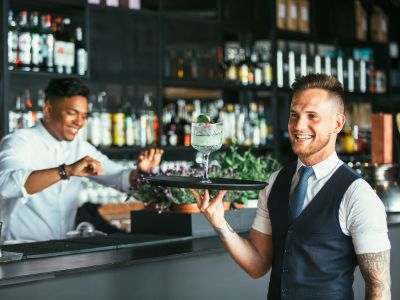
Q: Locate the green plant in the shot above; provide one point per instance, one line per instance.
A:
(232, 164)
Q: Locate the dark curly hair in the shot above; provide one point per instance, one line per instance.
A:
(321, 81)
(59, 88)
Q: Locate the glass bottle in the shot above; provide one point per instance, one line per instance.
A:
(81, 58)
(12, 41)
(36, 42)
(24, 42)
(47, 44)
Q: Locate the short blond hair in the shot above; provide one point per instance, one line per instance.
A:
(321, 81)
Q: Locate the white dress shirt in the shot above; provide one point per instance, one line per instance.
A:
(361, 213)
(49, 214)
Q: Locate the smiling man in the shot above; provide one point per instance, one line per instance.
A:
(41, 167)
(317, 219)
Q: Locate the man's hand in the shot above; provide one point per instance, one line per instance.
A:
(213, 208)
(149, 159)
(86, 166)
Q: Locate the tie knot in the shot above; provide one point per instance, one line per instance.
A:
(305, 172)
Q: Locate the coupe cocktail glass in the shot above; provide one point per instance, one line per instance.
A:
(206, 138)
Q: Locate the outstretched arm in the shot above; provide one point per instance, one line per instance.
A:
(42, 179)
(253, 255)
(375, 268)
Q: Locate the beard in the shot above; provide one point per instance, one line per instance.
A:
(317, 143)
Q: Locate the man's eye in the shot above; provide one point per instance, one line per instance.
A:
(292, 115)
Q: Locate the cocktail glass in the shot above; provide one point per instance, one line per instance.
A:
(206, 138)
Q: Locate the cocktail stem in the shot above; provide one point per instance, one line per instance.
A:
(1, 226)
(205, 162)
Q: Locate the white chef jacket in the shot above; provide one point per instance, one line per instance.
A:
(49, 214)
(361, 213)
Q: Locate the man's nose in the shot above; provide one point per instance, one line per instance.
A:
(300, 123)
(80, 120)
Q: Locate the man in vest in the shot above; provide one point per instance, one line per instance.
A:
(317, 219)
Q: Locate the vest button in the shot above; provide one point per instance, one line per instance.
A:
(290, 231)
(285, 291)
(286, 250)
(285, 270)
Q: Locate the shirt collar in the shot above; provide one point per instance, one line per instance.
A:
(49, 140)
(324, 167)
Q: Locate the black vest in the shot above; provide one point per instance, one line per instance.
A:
(312, 258)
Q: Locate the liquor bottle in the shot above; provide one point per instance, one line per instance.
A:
(129, 127)
(243, 67)
(47, 44)
(266, 66)
(292, 67)
(59, 45)
(254, 123)
(36, 42)
(81, 58)
(118, 128)
(69, 44)
(340, 68)
(12, 41)
(24, 42)
(263, 124)
(240, 118)
(105, 120)
(255, 60)
(180, 119)
(350, 75)
(171, 127)
(149, 122)
(39, 105)
(279, 68)
(94, 123)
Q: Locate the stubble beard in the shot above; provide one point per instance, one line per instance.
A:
(315, 146)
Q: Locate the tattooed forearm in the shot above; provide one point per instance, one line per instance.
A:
(222, 232)
(375, 268)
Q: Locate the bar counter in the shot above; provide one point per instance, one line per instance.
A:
(176, 268)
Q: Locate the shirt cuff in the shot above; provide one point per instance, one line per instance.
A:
(126, 185)
(371, 242)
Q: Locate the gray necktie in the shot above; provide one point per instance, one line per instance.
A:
(299, 194)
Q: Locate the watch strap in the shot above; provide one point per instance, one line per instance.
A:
(62, 171)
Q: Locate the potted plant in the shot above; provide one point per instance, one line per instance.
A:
(232, 164)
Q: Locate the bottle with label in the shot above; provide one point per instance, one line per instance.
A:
(69, 47)
(129, 127)
(105, 120)
(94, 123)
(243, 67)
(36, 42)
(118, 128)
(24, 42)
(12, 41)
(59, 46)
(81, 59)
(47, 44)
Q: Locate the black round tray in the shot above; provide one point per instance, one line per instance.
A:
(216, 183)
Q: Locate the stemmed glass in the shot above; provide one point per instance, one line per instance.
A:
(206, 138)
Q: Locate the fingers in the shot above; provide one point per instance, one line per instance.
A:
(218, 198)
(202, 201)
(197, 196)
(89, 166)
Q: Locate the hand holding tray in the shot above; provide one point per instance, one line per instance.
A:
(215, 184)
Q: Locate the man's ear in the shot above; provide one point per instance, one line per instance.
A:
(340, 121)
(47, 110)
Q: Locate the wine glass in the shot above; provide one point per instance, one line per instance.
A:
(206, 138)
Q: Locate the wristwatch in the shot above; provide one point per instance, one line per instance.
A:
(62, 171)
